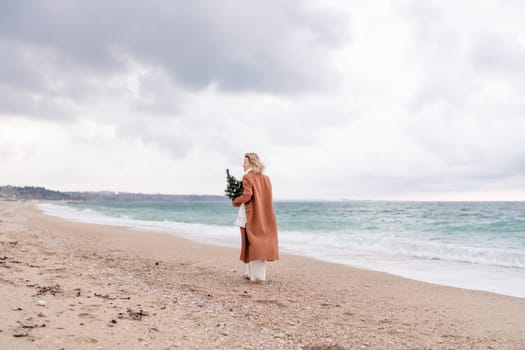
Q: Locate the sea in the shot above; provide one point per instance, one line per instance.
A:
(470, 245)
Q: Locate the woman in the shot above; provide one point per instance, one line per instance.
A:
(256, 219)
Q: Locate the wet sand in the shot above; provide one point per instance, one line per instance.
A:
(66, 285)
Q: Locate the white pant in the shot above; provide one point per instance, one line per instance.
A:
(256, 270)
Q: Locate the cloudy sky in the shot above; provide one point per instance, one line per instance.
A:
(363, 99)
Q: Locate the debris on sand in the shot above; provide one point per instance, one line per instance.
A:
(137, 315)
(53, 290)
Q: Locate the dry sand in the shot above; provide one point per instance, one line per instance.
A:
(113, 288)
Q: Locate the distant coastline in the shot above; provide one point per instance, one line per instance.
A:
(40, 193)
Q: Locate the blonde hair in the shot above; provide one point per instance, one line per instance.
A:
(255, 163)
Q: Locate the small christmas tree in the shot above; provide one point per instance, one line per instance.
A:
(233, 186)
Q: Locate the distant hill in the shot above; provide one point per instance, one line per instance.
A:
(41, 193)
(30, 192)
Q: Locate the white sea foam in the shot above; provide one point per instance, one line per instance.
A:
(222, 235)
(402, 246)
(498, 270)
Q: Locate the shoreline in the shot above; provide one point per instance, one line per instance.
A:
(192, 295)
(443, 272)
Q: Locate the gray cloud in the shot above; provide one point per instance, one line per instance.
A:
(34, 83)
(466, 114)
(271, 46)
(457, 51)
(497, 54)
(19, 69)
(15, 102)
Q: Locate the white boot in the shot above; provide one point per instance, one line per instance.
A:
(257, 270)
(247, 273)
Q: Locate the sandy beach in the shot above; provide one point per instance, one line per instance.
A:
(66, 285)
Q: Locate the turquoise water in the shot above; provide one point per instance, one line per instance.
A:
(472, 245)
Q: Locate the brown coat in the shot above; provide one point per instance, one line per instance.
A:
(259, 239)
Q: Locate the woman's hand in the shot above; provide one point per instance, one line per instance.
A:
(247, 193)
